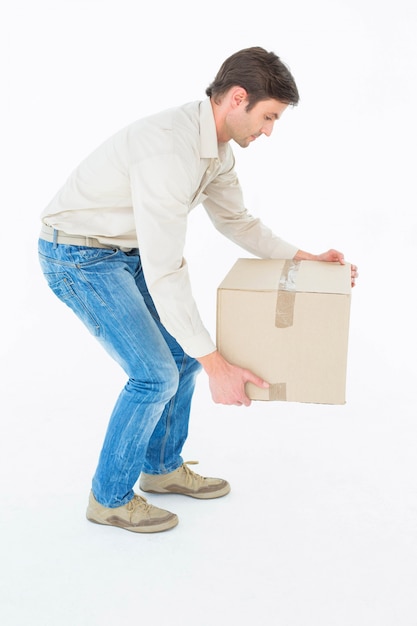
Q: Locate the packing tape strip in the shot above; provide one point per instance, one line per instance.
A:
(284, 311)
(278, 391)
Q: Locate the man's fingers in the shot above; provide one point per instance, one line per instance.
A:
(259, 382)
(338, 256)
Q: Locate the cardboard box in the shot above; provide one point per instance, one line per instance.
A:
(288, 322)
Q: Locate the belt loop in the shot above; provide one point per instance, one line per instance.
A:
(55, 238)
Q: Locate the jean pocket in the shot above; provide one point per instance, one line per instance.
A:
(63, 286)
(60, 283)
(84, 256)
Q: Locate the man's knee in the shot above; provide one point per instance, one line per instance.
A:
(160, 383)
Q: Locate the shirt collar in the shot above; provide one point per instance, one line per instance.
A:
(208, 137)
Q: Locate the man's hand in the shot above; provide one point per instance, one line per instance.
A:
(332, 256)
(227, 381)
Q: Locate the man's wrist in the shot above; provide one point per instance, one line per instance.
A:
(210, 361)
(305, 256)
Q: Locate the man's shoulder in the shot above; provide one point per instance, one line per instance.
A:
(179, 126)
(187, 113)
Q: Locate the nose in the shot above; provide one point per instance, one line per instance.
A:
(267, 129)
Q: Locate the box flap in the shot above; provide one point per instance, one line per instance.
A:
(298, 276)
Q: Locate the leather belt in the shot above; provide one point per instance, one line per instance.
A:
(58, 236)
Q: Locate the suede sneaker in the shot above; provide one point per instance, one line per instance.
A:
(185, 482)
(137, 515)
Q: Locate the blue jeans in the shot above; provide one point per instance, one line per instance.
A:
(106, 289)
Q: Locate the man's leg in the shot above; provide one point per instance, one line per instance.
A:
(163, 470)
(166, 443)
(165, 446)
(99, 286)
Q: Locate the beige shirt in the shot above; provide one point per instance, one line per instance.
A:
(137, 189)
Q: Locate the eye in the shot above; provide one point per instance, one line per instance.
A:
(268, 118)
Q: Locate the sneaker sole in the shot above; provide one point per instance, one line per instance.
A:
(202, 495)
(155, 528)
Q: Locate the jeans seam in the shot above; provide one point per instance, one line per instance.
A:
(168, 426)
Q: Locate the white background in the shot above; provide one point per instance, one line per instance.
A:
(320, 528)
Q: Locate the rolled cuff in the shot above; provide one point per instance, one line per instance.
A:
(285, 250)
(198, 345)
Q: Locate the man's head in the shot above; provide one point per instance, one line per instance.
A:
(262, 74)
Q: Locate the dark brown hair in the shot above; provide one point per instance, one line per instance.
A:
(262, 74)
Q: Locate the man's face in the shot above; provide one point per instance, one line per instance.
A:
(244, 127)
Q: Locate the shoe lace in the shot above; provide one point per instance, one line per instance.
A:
(138, 502)
(191, 476)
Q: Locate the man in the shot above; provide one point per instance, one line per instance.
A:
(111, 248)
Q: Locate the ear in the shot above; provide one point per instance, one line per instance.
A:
(238, 96)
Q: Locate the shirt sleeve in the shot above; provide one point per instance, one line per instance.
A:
(161, 186)
(225, 207)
